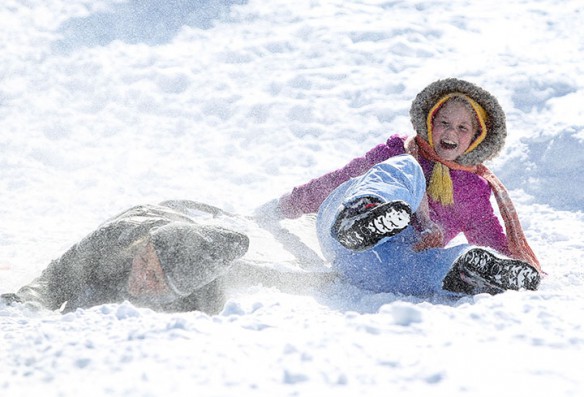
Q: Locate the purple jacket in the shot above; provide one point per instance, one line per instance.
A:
(472, 213)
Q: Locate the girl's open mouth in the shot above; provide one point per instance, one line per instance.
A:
(448, 145)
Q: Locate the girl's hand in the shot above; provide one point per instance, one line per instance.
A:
(269, 213)
(430, 237)
(429, 234)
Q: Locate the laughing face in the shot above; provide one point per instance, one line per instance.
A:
(453, 130)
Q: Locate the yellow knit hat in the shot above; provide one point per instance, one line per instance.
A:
(440, 185)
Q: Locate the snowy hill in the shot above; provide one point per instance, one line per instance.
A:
(107, 104)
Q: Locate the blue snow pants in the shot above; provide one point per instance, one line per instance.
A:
(391, 265)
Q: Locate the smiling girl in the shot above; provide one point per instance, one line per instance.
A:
(385, 220)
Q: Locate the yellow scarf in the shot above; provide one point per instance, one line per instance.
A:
(440, 185)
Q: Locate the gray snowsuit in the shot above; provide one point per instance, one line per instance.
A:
(95, 271)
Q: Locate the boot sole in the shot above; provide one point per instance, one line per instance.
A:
(369, 228)
(481, 268)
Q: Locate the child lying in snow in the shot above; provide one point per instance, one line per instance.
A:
(150, 255)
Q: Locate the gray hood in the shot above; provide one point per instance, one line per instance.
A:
(496, 129)
(192, 255)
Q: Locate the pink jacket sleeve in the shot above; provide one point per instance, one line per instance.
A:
(307, 198)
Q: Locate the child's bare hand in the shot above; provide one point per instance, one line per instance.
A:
(430, 237)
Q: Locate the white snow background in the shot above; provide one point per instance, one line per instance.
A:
(105, 104)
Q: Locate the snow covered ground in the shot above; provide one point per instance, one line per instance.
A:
(105, 104)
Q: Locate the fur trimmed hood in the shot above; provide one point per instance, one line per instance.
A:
(496, 128)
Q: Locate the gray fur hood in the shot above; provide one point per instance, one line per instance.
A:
(496, 129)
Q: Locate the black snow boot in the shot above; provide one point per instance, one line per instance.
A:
(480, 271)
(367, 220)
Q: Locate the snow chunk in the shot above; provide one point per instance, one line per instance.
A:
(403, 313)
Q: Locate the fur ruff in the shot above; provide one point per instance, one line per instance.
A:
(496, 126)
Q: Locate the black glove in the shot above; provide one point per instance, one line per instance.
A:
(10, 298)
